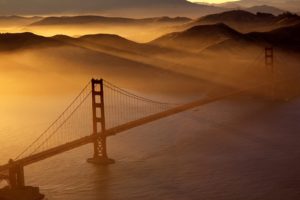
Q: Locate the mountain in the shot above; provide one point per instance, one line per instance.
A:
(128, 8)
(200, 52)
(289, 5)
(121, 47)
(285, 39)
(265, 9)
(244, 21)
(107, 39)
(9, 21)
(104, 42)
(93, 24)
(198, 37)
(100, 20)
(16, 41)
(193, 39)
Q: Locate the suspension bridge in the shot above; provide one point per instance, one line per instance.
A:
(102, 110)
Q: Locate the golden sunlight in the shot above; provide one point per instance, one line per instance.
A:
(212, 1)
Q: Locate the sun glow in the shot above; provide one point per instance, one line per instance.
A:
(211, 1)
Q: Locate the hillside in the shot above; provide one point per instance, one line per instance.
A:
(14, 20)
(197, 52)
(285, 39)
(244, 21)
(90, 19)
(265, 9)
(198, 37)
(290, 5)
(15, 41)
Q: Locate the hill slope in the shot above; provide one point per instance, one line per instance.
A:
(265, 9)
(90, 19)
(198, 37)
(286, 39)
(10, 21)
(15, 41)
(244, 21)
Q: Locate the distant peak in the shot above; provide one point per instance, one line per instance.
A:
(217, 26)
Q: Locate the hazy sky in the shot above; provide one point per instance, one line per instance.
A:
(120, 7)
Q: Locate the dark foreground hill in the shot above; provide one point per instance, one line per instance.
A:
(285, 39)
(15, 41)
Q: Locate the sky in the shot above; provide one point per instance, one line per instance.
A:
(140, 8)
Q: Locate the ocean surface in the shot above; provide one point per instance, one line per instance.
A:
(235, 149)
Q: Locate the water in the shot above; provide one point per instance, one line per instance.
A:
(235, 149)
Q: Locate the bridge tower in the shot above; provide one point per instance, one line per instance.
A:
(269, 62)
(16, 175)
(100, 149)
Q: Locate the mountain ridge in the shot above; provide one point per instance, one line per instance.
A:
(88, 19)
(244, 21)
(198, 37)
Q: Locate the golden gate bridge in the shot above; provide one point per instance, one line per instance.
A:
(102, 110)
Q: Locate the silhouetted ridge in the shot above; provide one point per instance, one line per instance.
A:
(108, 40)
(15, 20)
(90, 19)
(104, 37)
(13, 41)
(234, 15)
(198, 37)
(265, 9)
(246, 22)
(209, 31)
(80, 20)
(286, 38)
(17, 17)
(169, 19)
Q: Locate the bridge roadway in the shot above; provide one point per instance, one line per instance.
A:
(111, 132)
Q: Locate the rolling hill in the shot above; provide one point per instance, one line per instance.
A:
(244, 21)
(198, 38)
(193, 39)
(101, 20)
(290, 5)
(285, 39)
(265, 9)
(17, 41)
(14, 20)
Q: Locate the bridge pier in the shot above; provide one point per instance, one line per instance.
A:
(100, 146)
(269, 63)
(16, 175)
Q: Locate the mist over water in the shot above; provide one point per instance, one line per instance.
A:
(222, 147)
(245, 147)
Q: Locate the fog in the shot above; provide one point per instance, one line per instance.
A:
(146, 33)
(40, 76)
